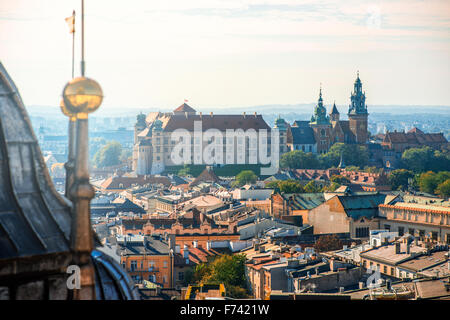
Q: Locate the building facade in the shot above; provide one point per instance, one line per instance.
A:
(156, 139)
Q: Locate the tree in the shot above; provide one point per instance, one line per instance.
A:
(298, 159)
(125, 155)
(328, 243)
(95, 144)
(352, 154)
(108, 155)
(428, 182)
(185, 171)
(312, 187)
(286, 186)
(418, 159)
(399, 179)
(443, 189)
(340, 179)
(226, 269)
(245, 177)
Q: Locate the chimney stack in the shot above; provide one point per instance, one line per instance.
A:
(397, 248)
(244, 114)
(408, 248)
(185, 252)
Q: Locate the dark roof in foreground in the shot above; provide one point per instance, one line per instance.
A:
(34, 218)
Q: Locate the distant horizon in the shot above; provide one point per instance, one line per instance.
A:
(300, 108)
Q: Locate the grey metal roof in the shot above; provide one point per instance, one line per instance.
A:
(357, 206)
(302, 133)
(34, 218)
(305, 201)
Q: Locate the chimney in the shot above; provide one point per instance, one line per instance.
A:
(185, 252)
(397, 248)
(408, 248)
(211, 113)
(255, 114)
(244, 114)
(361, 285)
(416, 241)
(200, 114)
(317, 271)
(195, 243)
(208, 245)
(171, 241)
(388, 285)
(341, 289)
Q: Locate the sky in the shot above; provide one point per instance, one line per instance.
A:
(232, 53)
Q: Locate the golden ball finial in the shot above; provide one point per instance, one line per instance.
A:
(82, 96)
(66, 112)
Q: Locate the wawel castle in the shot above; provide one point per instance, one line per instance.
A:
(154, 146)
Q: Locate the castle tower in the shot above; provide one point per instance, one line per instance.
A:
(157, 163)
(139, 126)
(334, 114)
(144, 157)
(321, 125)
(280, 124)
(357, 113)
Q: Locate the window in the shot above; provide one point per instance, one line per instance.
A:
(421, 233)
(133, 265)
(181, 276)
(362, 232)
(411, 231)
(385, 270)
(392, 271)
(165, 264)
(387, 227)
(401, 231)
(434, 235)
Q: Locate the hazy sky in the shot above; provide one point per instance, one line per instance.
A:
(232, 52)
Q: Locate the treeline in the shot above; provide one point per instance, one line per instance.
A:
(352, 155)
(423, 169)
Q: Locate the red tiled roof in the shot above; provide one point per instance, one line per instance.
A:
(184, 108)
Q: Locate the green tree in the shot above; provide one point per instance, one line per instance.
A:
(340, 179)
(286, 186)
(312, 187)
(443, 189)
(226, 269)
(96, 144)
(125, 155)
(399, 179)
(298, 159)
(245, 177)
(352, 154)
(185, 171)
(418, 159)
(108, 155)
